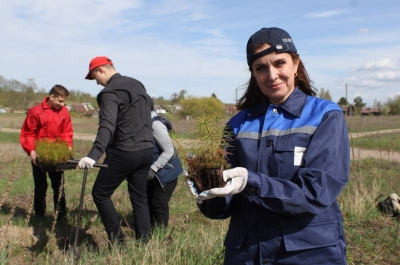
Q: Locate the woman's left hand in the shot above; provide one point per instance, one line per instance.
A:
(236, 179)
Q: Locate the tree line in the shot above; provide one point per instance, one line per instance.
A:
(16, 95)
(390, 107)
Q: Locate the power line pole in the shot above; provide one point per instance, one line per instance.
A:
(236, 95)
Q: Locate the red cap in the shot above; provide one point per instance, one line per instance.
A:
(96, 62)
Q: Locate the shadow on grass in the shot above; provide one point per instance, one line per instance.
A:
(58, 236)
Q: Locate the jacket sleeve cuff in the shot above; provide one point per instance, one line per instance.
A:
(95, 154)
(154, 168)
(254, 184)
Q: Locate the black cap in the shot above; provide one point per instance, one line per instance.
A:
(279, 39)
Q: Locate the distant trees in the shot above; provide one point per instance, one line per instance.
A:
(358, 102)
(322, 93)
(394, 106)
(175, 97)
(342, 101)
(20, 96)
(198, 106)
(17, 95)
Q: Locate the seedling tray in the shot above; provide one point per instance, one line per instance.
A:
(56, 167)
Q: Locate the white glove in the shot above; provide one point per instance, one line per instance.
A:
(395, 202)
(236, 179)
(193, 190)
(86, 162)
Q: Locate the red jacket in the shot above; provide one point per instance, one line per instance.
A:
(45, 122)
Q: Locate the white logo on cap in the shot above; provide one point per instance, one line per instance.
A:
(287, 40)
(279, 47)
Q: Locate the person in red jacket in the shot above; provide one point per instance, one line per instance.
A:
(50, 120)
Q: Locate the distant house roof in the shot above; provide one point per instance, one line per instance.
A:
(372, 110)
(90, 112)
(79, 108)
(86, 108)
(348, 109)
(172, 108)
(230, 108)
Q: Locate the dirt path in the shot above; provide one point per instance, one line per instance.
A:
(356, 153)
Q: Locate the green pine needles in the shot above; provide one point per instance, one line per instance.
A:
(52, 152)
(205, 155)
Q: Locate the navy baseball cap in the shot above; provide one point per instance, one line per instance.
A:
(279, 39)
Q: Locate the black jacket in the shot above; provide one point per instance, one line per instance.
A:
(124, 118)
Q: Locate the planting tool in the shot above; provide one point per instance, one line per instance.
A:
(72, 249)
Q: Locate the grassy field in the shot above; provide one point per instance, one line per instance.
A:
(191, 238)
(389, 142)
(87, 125)
(372, 123)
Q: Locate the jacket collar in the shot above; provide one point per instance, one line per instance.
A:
(45, 105)
(294, 104)
(116, 75)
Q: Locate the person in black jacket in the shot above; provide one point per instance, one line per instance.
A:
(125, 135)
(163, 175)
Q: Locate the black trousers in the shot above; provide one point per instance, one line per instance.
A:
(133, 166)
(158, 200)
(57, 184)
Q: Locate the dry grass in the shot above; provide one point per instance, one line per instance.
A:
(372, 123)
(372, 238)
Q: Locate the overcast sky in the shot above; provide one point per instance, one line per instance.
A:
(199, 45)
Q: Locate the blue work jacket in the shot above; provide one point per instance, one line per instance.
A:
(298, 161)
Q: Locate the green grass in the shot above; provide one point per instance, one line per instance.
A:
(371, 123)
(372, 238)
(191, 238)
(9, 137)
(384, 142)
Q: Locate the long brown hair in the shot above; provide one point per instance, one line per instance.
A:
(253, 94)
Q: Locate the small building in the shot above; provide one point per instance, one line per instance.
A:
(159, 109)
(86, 109)
(172, 108)
(367, 111)
(230, 110)
(348, 110)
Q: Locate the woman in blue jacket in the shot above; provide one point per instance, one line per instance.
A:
(290, 160)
